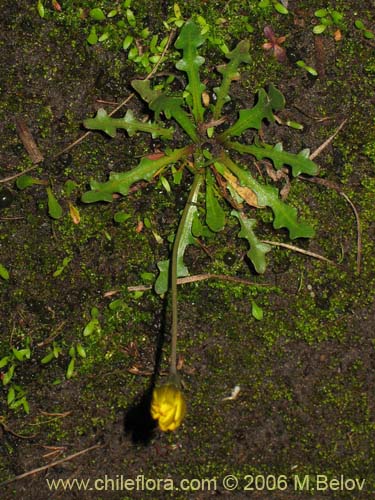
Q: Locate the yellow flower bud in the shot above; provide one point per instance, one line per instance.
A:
(168, 406)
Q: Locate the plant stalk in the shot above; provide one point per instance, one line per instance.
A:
(176, 244)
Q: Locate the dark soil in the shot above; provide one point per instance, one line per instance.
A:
(306, 371)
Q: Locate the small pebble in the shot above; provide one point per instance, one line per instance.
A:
(6, 198)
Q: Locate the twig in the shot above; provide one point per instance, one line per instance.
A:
(326, 143)
(52, 337)
(28, 140)
(359, 231)
(337, 188)
(299, 250)
(11, 177)
(8, 429)
(193, 279)
(52, 464)
(123, 103)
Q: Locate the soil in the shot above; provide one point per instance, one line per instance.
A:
(303, 423)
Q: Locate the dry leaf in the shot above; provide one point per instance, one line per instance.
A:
(246, 193)
(74, 213)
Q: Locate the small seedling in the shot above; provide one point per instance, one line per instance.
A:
(54, 208)
(365, 32)
(327, 18)
(309, 69)
(274, 44)
(4, 273)
(93, 325)
(280, 7)
(16, 396)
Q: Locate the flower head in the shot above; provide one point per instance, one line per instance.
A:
(168, 406)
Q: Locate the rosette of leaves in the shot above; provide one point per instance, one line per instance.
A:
(218, 180)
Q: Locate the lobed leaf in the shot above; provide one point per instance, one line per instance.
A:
(109, 125)
(171, 106)
(240, 54)
(258, 250)
(188, 41)
(121, 182)
(251, 118)
(300, 163)
(268, 196)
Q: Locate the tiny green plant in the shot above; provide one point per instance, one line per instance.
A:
(365, 32)
(280, 7)
(327, 18)
(16, 396)
(274, 44)
(309, 69)
(4, 273)
(220, 186)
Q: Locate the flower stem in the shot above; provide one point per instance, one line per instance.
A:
(175, 254)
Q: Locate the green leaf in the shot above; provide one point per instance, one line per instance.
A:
(11, 395)
(215, 216)
(268, 196)
(240, 54)
(61, 268)
(9, 374)
(40, 8)
(337, 17)
(280, 8)
(48, 358)
(188, 41)
(276, 97)
(21, 354)
(24, 181)
(321, 12)
(368, 34)
(4, 361)
(91, 327)
(121, 182)
(161, 283)
(121, 217)
(319, 28)
(54, 207)
(165, 184)
(252, 118)
(258, 250)
(97, 14)
(25, 405)
(171, 106)
(70, 369)
(359, 24)
(109, 125)
(127, 42)
(69, 187)
(94, 313)
(4, 273)
(81, 351)
(256, 311)
(92, 39)
(131, 18)
(103, 37)
(300, 163)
